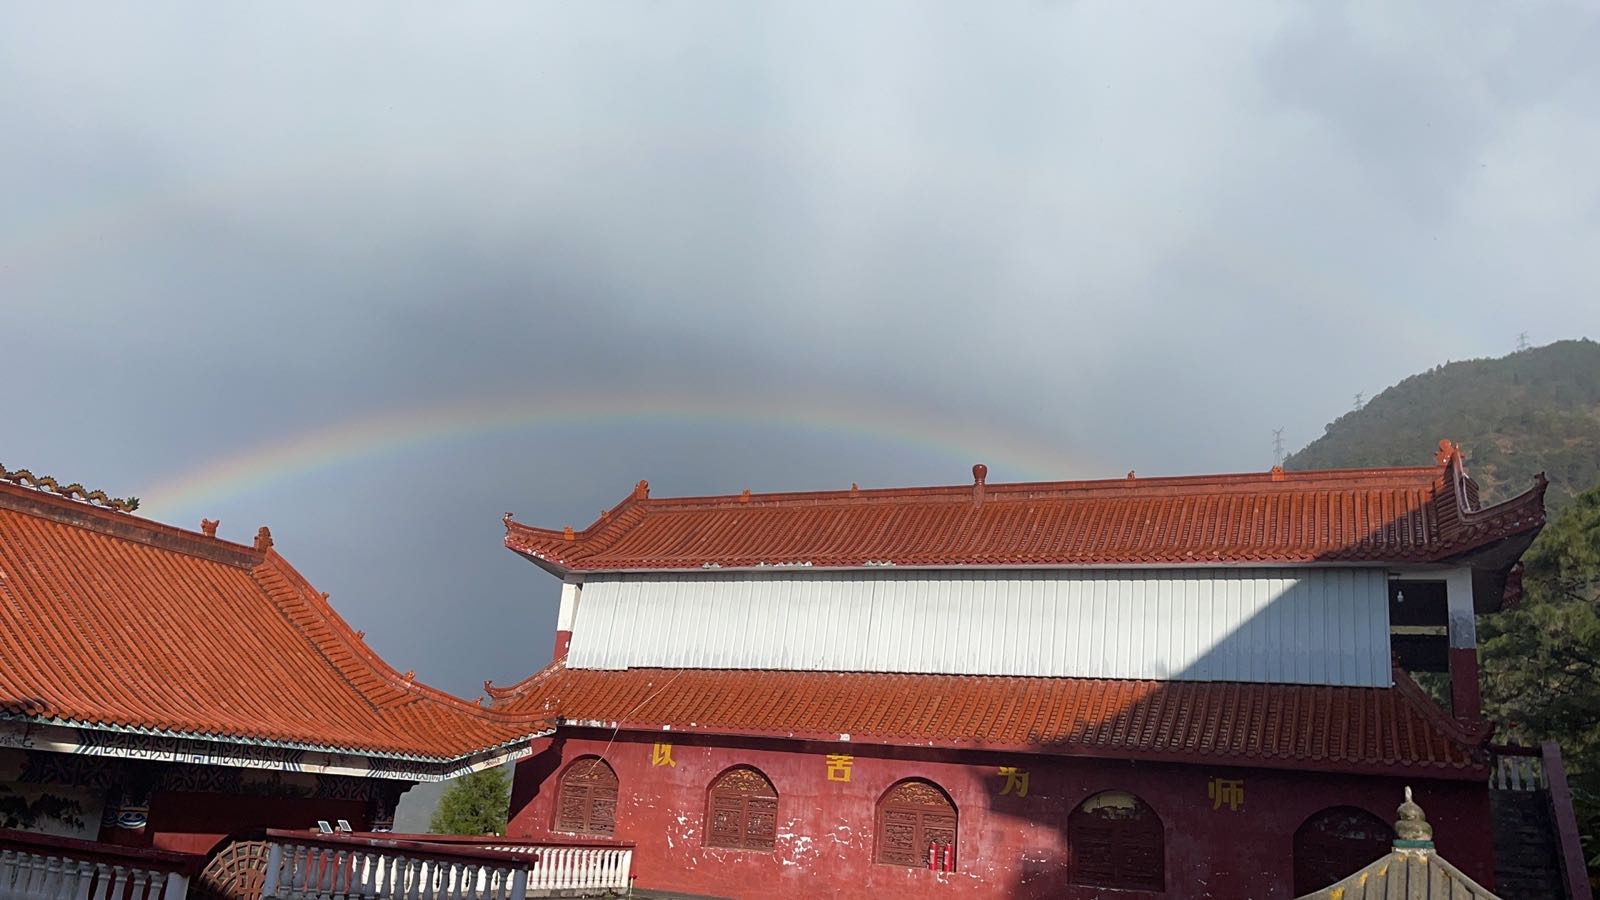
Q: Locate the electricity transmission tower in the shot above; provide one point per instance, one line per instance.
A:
(1522, 341)
(1361, 400)
(1277, 446)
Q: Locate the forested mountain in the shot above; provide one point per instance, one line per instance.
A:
(1534, 410)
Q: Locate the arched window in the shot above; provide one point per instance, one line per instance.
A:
(742, 810)
(587, 800)
(913, 815)
(1335, 843)
(1115, 840)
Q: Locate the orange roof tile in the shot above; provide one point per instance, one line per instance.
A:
(114, 621)
(1271, 725)
(1423, 514)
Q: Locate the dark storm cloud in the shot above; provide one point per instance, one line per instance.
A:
(1147, 234)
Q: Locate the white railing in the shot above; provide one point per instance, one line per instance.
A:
(39, 867)
(381, 866)
(341, 867)
(578, 868)
(1517, 769)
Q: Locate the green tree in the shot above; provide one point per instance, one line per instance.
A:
(474, 804)
(1542, 661)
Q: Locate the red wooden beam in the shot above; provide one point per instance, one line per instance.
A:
(1572, 861)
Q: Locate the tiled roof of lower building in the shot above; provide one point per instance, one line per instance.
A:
(112, 621)
(1406, 875)
(1274, 725)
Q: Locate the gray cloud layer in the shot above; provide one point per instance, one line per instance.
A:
(1146, 234)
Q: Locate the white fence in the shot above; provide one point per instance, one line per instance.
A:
(1517, 769)
(582, 869)
(362, 867)
(37, 868)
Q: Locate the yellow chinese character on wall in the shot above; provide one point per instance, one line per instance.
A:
(839, 767)
(661, 755)
(1226, 790)
(1016, 782)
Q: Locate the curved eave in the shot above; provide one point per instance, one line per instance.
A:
(218, 737)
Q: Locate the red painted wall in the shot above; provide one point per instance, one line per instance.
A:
(195, 822)
(1009, 847)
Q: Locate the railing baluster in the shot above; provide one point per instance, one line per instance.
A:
(177, 887)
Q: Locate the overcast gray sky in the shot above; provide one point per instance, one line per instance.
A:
(374, 274)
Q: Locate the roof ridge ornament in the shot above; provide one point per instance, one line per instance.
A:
(1448, 450)
(641, 491)
(1411, 828)
(208, 527)
(73, 491)
(980, 475)
(263, 539)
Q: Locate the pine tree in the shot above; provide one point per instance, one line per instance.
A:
(474, 804)
(1542, 660)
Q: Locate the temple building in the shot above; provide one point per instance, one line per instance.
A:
(166, 689)
(1174, 687)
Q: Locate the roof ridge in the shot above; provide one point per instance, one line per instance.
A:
(959, 492)
(1411, 693)
(73, 491)
(126, 526)
(407, 688)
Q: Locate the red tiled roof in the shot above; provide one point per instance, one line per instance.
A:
(1424, 514)
(108, 620)
(1272, 725)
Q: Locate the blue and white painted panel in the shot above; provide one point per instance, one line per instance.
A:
(1301, 626)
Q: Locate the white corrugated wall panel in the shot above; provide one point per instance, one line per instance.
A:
(1305, 626)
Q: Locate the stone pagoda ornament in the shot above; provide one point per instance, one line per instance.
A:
(1411, 828)
(1411, 870)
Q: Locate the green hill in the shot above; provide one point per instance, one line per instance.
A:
(1534, 410)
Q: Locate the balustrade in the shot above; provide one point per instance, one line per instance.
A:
(44, 867)
(1516, 769)
(434, 867)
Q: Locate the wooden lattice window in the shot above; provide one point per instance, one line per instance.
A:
(1336, 843)
(1115, 840)
(586, 802)
(742, 809)
(913, 815)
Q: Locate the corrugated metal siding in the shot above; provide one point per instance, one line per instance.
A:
(1297, 626)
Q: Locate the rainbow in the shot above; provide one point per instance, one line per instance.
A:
(1021, 455)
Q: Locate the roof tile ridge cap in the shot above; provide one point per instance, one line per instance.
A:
(516, 690)
(192, 543)
(606, 531)
(607, 518)
(1409, 692)
(300, 591)
(1533, 496)
(410, 690)
(1111, 486)
(359, 652)
(1473, 888)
